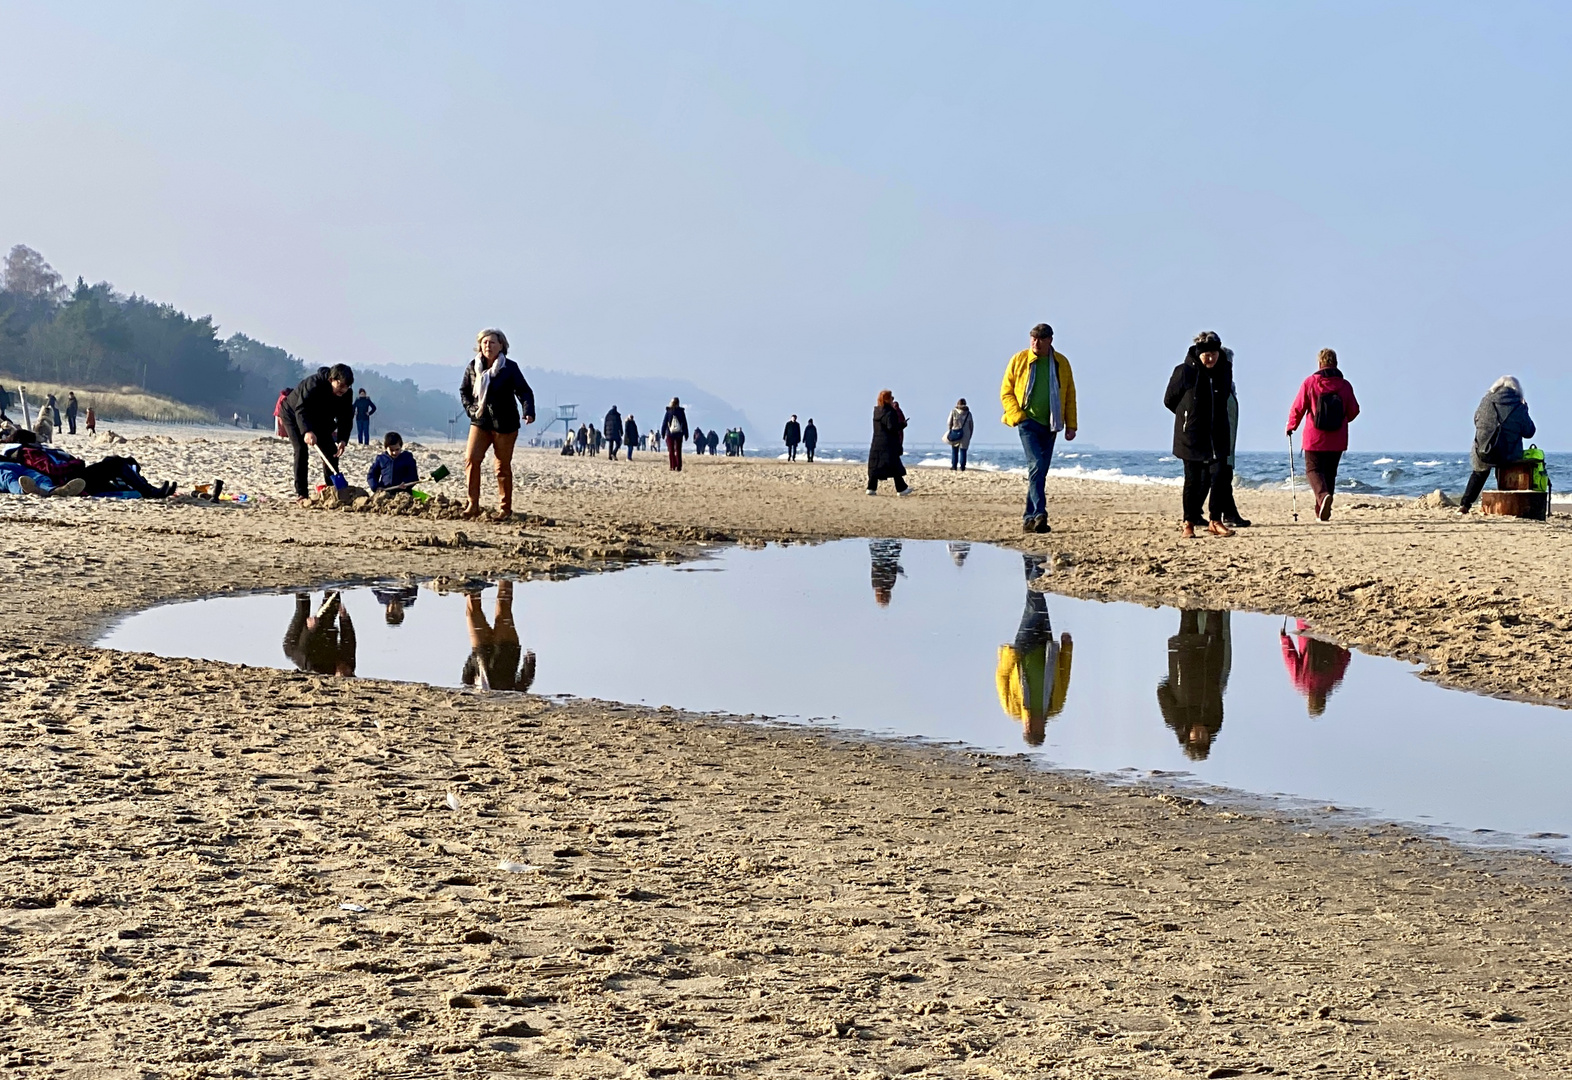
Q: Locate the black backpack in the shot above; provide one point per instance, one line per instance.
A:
(1327, 415)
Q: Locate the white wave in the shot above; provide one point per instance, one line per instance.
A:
(1426, 464)
(1166, 457)
(1389, 461)
(1112, 476)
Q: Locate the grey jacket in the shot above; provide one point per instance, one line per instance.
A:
(960, 418)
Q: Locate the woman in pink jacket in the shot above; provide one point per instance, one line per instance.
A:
(1327, 400)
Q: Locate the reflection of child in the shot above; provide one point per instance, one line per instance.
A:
(395, 468)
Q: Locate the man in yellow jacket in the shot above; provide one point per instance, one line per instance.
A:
(1039, 402)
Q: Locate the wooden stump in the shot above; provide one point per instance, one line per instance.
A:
(1522, 504)
(1515, 476)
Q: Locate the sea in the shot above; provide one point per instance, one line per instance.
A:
(1391, 474)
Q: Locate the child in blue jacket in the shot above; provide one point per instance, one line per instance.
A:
(395, 468)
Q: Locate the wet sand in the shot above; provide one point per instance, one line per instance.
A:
(706, 897)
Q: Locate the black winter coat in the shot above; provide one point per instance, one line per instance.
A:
(1501, 423)
(889, 437)
(316, 408)
(630, 432)
(810, 436)
(613, 427)
(510, 403)
(793, 433)
(675, 422)
(1198, 398)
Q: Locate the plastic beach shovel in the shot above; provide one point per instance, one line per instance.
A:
(439, 473)
(338, 478)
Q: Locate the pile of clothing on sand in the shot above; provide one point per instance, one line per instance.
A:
(28, 467)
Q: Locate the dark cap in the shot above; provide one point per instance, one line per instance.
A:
(1042, 331)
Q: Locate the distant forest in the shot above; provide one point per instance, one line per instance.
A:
(93, 336)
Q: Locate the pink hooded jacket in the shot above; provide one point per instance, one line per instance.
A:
(1325, 381)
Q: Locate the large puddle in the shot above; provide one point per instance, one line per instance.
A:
(943, 642)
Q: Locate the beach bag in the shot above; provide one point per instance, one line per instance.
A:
(1328, 412)
(954, 436)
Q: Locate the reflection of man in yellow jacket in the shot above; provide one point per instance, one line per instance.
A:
(1033, 675)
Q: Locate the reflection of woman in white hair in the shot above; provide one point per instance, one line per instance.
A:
(499, 402)
(1501, 423)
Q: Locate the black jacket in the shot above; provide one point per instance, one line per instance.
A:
(317, 409)
(793, 433)
(889, 438)
(675, 422)
(1501, 423)
(630, 432)
(1198, 398)
(613, 428)
(810, 436)
(510, 403)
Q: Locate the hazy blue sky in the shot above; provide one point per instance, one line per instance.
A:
(796, 204)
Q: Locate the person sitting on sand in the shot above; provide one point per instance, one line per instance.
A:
(1501, 423)
(59, 468)
(394, 469)
(319, 413)
(1033, 674)
(1191, 697)
(499, 403)
(1327, 400)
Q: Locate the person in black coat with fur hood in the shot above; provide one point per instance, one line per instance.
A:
(1198, 394)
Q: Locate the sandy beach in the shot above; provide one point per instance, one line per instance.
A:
(213, 870)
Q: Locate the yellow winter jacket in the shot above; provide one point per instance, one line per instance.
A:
(1012, 687)
(1017, 388)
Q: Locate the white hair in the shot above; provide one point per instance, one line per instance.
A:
(1507, 381)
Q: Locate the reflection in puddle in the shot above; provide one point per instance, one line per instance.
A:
(953, 645)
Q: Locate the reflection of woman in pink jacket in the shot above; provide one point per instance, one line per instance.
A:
(1327, 400)
(1314, 666)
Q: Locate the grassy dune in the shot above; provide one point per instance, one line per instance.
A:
(110, 403)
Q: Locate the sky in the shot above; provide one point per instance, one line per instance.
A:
(797, 204)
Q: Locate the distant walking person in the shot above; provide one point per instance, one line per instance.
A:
(278, 414)
(613, 429)
(810, 438)
(958, 433)
(711, 441)
(71, 410)
(92, 421)
(884, 453)
(54, 411)
(364, 407)
(318, 413)
(5, 399)
(1328, 400)
(1039, 402)
(793, 436)
(1501, 423)
(581, 440)
(742, 438)
(674, 429)
(499, 402)
(1197, 395)
(630, 435)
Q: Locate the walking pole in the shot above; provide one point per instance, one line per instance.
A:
(1292, 489)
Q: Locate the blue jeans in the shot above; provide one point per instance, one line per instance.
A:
(957, 456)
(1038, 442)
(363, 429)
(11, 473)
